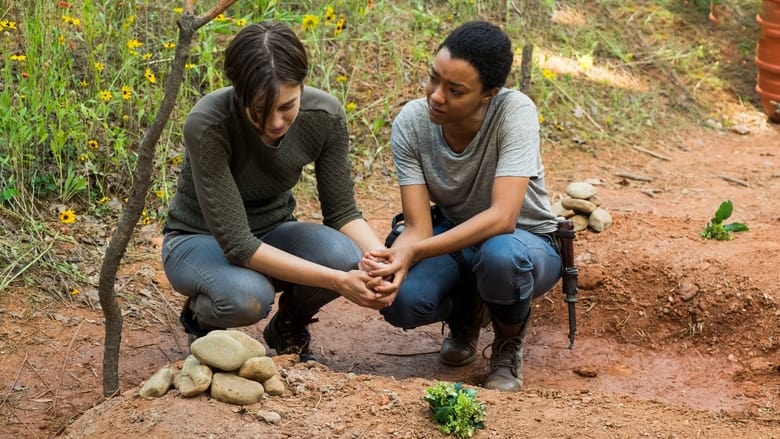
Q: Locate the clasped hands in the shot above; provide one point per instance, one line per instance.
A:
(380, 272)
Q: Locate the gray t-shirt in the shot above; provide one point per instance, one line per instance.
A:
(507, 144)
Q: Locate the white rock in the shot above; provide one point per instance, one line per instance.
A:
(581, 190)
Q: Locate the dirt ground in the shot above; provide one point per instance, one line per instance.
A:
(683, 333)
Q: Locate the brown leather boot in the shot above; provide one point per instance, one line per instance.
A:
(459, 348)
(506, 359)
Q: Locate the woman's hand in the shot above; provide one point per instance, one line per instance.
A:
(392, 265)
(359, 287)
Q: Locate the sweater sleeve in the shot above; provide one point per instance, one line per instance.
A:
(218, 195)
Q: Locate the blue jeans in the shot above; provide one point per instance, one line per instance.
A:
(505, 269)
(224, 295)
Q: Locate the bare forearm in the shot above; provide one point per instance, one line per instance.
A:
(284, 266)
(364, 236)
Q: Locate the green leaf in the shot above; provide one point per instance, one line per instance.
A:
(736, 227)
(724, 211)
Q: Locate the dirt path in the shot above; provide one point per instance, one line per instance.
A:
(682, 333)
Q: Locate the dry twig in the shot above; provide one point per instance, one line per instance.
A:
(631, 176)
(734, 180)
(652, 153)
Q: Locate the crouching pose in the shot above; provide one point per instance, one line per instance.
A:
(488, 248)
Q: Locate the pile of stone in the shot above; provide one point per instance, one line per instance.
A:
(582, 206)
(230, 364)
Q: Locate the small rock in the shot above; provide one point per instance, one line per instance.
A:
(194, 378)
(714, 124)
(578, 205)
(600, 220)
(158, 384)
(590, 277)
(580, 222)
(268, 416)
(740, 129)
(253, 347)
(687, 290)
(233, 389)
(559, 211)
(274, 386)
(220, 350)
(258, 369)
(580, 190)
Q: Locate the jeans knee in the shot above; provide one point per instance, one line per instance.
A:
(405, 315)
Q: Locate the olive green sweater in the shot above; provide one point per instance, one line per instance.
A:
(235, 187)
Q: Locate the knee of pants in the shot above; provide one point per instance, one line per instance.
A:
(406, 313)
(317, 243)
(503, 276)
(243, 304)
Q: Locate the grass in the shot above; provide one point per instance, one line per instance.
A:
(81, 81)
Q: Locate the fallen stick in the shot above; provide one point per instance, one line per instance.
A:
(633, 176)
(652, 153)
(734, 180)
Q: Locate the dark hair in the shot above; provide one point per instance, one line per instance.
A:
(486, 47)
(260, 59)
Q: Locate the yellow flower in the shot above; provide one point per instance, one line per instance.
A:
(310, 22)
(150, 76)
(105, 95)
(75, 21)
(241, 22)
(340, 26)
(189, 66)
(9, 25)
(178, 10)
(103, 200)
(75, 292)
(92, 144)
(18, 57)
(67, 216)
(83, 83)
(83, 157)
(341, 79)
(549, 74)
(169, 45)
(350, 107)
(330, 15)
(146, 56)
(541, 119)
(99, 66)
(134, 44)
(220, 18)
(61, 40)
(127, 92)
(176, 160)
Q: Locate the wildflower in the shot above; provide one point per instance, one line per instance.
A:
(146, 56)
(145, 220)
(330, 15)
(7, 25)
(220, 18)
(99, 66)
(340, 26)
(75, 21)
(103, 200)
(178, 10)
(83, 83)
(83, 157)
(18, 57)
(241, 22)
(341, 79)
(63, 5)
(310, 22)
(127, 92)
(541, 119)
(150, 76)
(350, 107)
(61, 40)
(189, 66)
(176, 160)
(134, 44)
(169, 45)
(67, 216)
(129, 22)
(160, 193)
(92, 144)
(75, 292)
(549, 74)
(105, 95)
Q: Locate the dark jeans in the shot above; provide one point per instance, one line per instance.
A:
(228, 296)
(505, 269)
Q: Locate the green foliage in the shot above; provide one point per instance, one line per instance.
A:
(455, 409)
(715, 228)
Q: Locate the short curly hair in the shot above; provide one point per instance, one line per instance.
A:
(486, 47)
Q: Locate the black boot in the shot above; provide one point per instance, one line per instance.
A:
(459, 348)
(288, 334)
(506, 359)
(191, 325)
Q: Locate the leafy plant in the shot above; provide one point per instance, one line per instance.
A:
(715, 229)
(455, 408)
